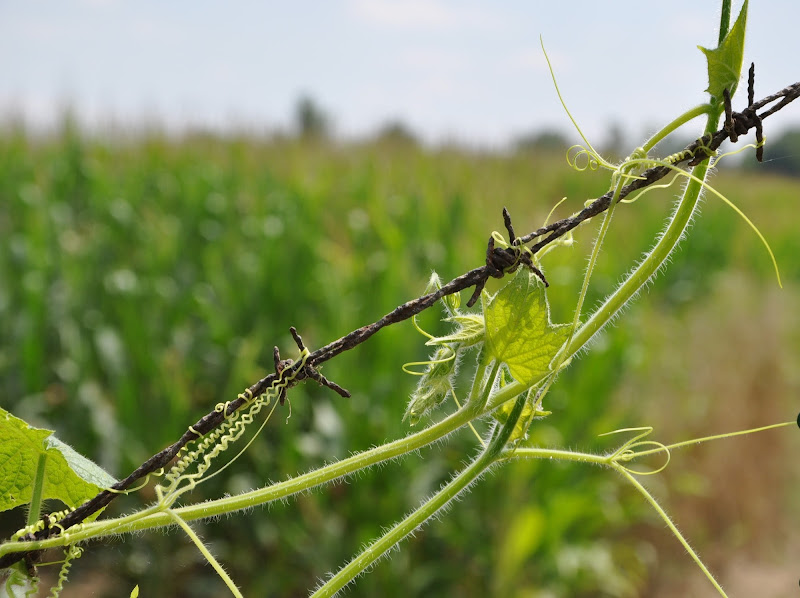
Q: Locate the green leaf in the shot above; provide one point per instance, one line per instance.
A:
(725, 62)
(470, 331)
(518, 328)
(528, 414)
(69, 477)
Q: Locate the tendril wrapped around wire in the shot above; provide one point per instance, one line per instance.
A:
(48, 521)
(212, 445)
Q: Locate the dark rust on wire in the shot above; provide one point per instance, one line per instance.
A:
(498, 262)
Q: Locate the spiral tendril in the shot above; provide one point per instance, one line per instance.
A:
(48, 521)
(73, 552)
(210, 446)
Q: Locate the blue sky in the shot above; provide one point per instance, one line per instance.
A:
(469, 70)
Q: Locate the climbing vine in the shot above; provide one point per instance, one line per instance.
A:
(512, 350)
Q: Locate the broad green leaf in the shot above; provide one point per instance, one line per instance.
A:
(518, 328)
(725, 62)
(69, 477)
(86, 469)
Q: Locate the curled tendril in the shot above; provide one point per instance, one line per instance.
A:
(158, 472)
(210, 447)
(592, 154)
(583, 159)
(638, 162)
(48, 521)
(627, 452)
(17, 580)
(641, 159)
(408, 367)
(73, 552)
(651, 162)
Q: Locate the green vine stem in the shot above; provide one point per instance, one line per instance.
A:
(206, 554)
(652, 262)
(157, 517)
(428, 509)
(611, 460)
(675, 124)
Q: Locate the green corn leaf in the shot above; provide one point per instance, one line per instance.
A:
(69, 477)
(725, 62)
(518, 328)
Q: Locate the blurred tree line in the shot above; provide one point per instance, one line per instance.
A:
(781, 154)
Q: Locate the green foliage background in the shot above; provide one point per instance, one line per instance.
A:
(144, 279)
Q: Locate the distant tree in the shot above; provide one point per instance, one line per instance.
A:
(781, 155)
(543, 141)
(311, 121)
(614, 144)
(396, 132)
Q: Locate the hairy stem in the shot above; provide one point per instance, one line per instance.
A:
(672, 527)
(157, 517)
(35, 507)
(724, 20)
(649, 266)
(676, 123)
(425, 511)
(206, 554)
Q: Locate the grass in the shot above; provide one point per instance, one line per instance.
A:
(143, 280)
